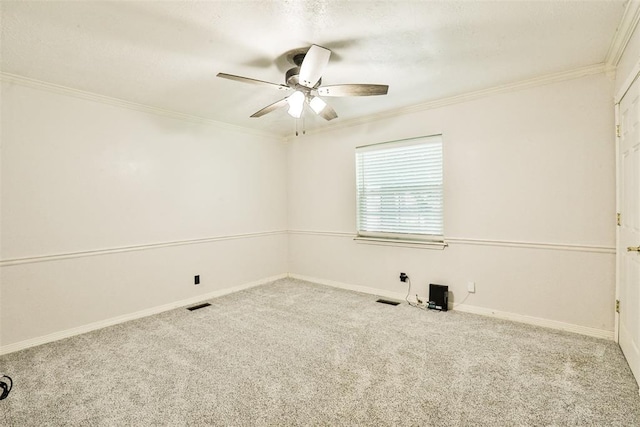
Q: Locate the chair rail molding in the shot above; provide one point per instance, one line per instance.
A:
(452, 241)
(142, 247)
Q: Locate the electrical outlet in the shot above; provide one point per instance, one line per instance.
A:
(471, 287)
(196, 279)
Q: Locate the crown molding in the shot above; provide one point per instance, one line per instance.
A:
(442, 102)
(90, 96)
(626, 27)
(470, 96)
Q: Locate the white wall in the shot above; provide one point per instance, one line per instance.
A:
(80, 176)
(533, 168)
(530, 166)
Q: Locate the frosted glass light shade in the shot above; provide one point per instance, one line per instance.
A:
(296, 103)
(317, 104)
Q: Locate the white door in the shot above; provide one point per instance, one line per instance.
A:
(629, 230)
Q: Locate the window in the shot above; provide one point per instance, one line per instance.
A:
(400, 191)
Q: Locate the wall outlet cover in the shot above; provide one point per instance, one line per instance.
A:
(471, 287)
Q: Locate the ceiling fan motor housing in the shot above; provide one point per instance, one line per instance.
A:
(292, 79)
(298, 58)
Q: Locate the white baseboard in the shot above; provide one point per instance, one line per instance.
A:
(530, 320)
(32, 342)
(536, 321)
(357, 288)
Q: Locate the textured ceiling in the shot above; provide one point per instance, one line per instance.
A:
(167, 54)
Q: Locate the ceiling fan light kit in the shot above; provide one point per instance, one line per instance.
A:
(317, 104)
(305, 79)
(296, 104)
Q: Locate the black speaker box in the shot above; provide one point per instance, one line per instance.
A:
(438, 297)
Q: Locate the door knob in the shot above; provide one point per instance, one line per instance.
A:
(633, 249)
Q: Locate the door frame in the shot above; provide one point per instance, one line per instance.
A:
(629, 80)
(616, 320)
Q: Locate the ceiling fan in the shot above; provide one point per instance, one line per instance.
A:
(305, 80)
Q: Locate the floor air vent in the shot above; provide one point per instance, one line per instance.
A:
(195, 307)
(386, 301)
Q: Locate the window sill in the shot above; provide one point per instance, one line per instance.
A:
(437, 245)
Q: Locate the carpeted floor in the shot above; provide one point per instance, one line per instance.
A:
(296, 353)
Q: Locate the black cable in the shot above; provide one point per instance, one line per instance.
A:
(6, 388)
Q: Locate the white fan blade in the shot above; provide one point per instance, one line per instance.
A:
(252, 81)
(270, 108)
(313, 64)
(353, 90)
(328, 113)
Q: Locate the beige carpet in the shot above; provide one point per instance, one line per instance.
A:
(296, 353)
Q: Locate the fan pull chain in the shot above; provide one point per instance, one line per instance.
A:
(304, 130)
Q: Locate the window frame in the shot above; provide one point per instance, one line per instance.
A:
(399, 238)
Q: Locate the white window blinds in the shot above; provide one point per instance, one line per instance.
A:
(399, 189)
